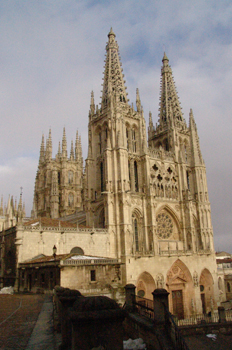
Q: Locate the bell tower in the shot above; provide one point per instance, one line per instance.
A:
(117, 143)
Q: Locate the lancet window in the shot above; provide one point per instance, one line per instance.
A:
(70, 199)
(70, 177)
(102, 218)
(136, 177)
(127, 139)
(135, 232)
(100, 143)
(188, 181)
(102, 176)
(133, 140)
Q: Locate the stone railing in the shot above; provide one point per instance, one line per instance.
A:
(77, 262)
(156, 153)
(217, 316)
(174, 252)
(66, 229)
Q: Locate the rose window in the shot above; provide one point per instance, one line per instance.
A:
(164, 226)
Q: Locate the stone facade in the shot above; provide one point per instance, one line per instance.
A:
(58, 183)
(145, 198)
(89, 274)
(151, 194)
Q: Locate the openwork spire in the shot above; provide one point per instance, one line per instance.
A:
(138, 102)
(197, 156)
(170, 110)
(42, 154)
(64, 145)
(114, 84)
(72, 151)
(49, 146)
(92, 105)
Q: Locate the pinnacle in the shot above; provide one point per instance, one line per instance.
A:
(111, 32)
(170, 109)
(114, 85)
(165, 57)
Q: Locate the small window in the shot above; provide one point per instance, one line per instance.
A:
(102, 176)
(133, 141)
(188, 182)
(70, 177)
(141, 293)
(58, 178)
(70, 199)
(136, 177)
(93, 275)
(127, 139)
(100, 143)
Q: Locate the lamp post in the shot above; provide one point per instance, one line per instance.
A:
(54, 251)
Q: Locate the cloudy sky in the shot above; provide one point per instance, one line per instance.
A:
(52, 56)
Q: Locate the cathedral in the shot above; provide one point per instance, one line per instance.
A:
(147, 192)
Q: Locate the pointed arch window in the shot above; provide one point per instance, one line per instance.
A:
(185, 152)
(136, 177)
(188, 182)
(102, 218)
(133, 140)
(166, 145)
(58, 178)
(127, 139)
(70, 177)
(102, 176)
(136, 233)
(100, 143)
(70, 199)
(129, 170)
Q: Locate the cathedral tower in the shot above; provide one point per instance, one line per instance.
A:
(151, 196)
(58, 184)
(117, 145)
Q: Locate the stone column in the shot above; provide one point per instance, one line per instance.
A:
(160, 302)
(130, 296)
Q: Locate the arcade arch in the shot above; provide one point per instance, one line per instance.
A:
(181, 288)
(206, 291)
(145, 285)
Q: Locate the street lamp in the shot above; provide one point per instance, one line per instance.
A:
(54, 251)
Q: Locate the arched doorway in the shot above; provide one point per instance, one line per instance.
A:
(181, 289)
(206, 291)
(145, 285)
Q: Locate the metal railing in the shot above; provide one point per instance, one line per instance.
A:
(174, 332)
(204, 318)
(144, 306)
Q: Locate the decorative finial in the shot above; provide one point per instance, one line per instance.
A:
(111, 32)
(165, 57)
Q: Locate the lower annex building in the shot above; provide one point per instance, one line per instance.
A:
(145, 196)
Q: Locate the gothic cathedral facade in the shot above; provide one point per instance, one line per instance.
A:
(150, 193)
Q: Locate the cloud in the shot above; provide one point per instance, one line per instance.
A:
(52, 56)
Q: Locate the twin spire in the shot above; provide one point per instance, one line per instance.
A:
(46, 152)
(113, 82)
(170, 111)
